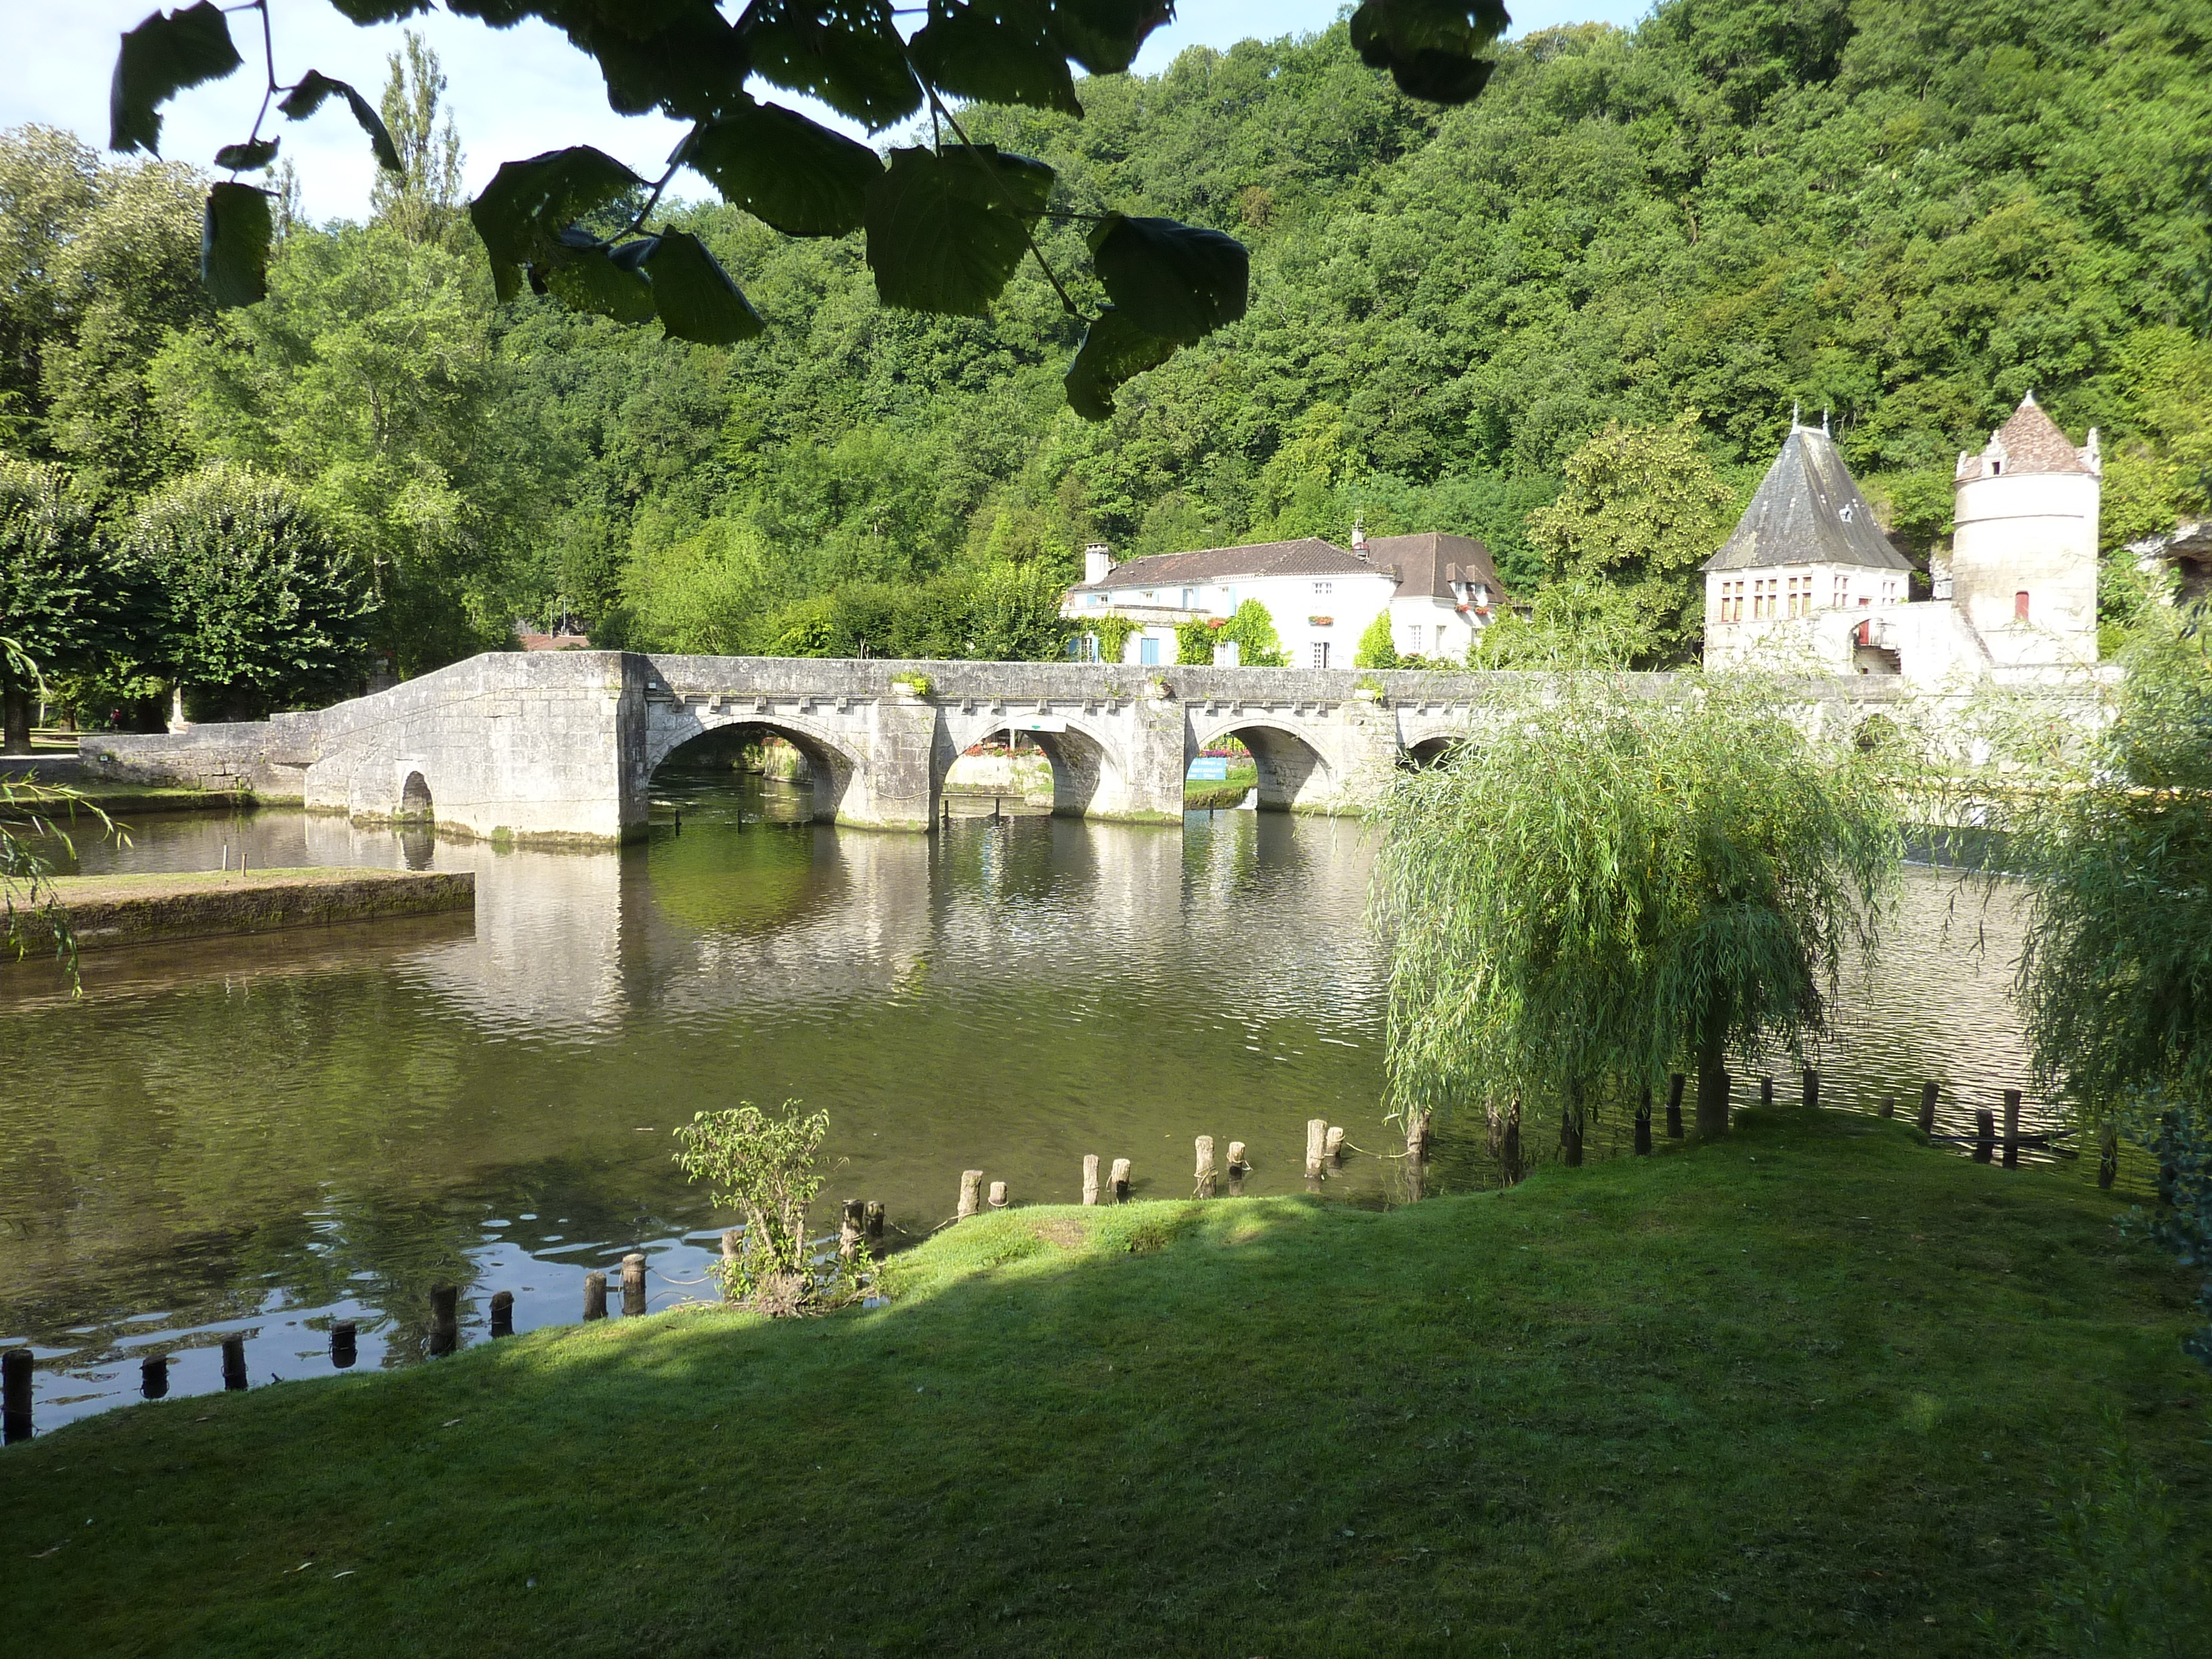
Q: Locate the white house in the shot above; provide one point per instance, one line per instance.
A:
(1809, 580)
(1437, 589)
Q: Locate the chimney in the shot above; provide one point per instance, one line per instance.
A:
(1098, 562)
(1359, 540)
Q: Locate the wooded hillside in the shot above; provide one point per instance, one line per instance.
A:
(1905, 215)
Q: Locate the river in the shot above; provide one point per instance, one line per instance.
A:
(262, 1136)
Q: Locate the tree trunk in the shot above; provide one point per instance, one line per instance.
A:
(1510, 1157)
(1571, 1128)
(1712, 1071)
(15, 708)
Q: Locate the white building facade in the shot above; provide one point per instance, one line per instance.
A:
(1809, 581)
(1438, 590)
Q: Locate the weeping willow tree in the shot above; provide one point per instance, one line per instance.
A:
(2115, 981)
(1601, 886)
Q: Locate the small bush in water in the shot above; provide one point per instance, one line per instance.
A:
(764, 1168)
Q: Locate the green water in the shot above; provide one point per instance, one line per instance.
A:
(261, 1136)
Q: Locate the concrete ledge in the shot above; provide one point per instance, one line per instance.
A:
(111, 912)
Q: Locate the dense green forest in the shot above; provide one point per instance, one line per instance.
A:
(1571, 318)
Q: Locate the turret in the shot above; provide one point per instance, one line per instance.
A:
(2024, 547)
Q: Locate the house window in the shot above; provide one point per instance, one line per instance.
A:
(1321, 589)
(1148, 652)
(1098, 599)
(1843, 593)
(2020, 606)
(1229, 599)
(1414, 634)
(1190, 598)
(1481, 595)
(1320, 653)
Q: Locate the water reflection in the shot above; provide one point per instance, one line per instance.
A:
(268, 1136)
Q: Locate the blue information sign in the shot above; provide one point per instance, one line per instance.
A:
(1210, 769)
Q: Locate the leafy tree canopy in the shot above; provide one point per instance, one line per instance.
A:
(1608, 886)
(262, 607)
(946, 222)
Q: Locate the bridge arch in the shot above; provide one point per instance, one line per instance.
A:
(1432, 751)
(1087, 773)
(1295, 773)
(832, 764)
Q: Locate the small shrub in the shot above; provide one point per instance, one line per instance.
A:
(765, 1169)
(1377, 649)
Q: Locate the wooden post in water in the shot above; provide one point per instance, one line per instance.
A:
(17, 1366)
(1091, 1177)
(502, 1313)
(2012, 1129)
(1928, 1091)
(1985, 1135)
(1766, 1092)
(2108, 1154)
(1643, 1124)
(872, 1219)
(1333, 1144)
(1812, 1089)
(1889, 1105)
(154, 1376)
(853, 1229)
(732, 1238)
(1316, 1146)
(1202, 1176)
(1118, 1179)
(1674, 1082)
(233, 1363)
(1237, 1166)
(344, 1348)
(633, 1284)
(595, 1295)
(445, 1325)
(998, 1199)
(971, 1194)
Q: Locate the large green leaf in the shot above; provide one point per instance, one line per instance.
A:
(847, 53)
(381, 11)
(1430, 46)
(1113, 349)
(1105, 35)
(694, 295)
(1001, 51)
(305, 99)
(693, 67)
(782, 168)
(587, 273)
(1176, 281)
(234, 236)
(523, 211)
(168, 52)
(946, 230)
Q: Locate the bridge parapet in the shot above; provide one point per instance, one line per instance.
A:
(560, 747)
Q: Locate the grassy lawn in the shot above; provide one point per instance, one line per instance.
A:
(1805, 1391)
(1197, 796)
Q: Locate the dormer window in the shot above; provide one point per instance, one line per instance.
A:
(1481, 595)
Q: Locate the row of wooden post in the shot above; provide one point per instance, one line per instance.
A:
(1324, 1150)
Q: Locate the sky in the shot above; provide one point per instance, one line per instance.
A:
(513, 92)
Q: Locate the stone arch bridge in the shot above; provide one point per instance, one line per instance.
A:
(560, 747)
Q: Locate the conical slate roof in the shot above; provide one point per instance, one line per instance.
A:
(1807, 511)
(2034, 442)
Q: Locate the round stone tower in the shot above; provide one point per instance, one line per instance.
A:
(2024, 546)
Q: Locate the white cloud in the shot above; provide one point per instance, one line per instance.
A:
(514, 92)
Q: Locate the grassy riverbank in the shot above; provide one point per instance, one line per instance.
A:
(1805, 1391)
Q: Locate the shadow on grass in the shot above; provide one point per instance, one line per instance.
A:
(1800, 1391)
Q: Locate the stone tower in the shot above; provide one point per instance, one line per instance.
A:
(2024, 549)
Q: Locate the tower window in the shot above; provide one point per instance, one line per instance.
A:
(2020, 606)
